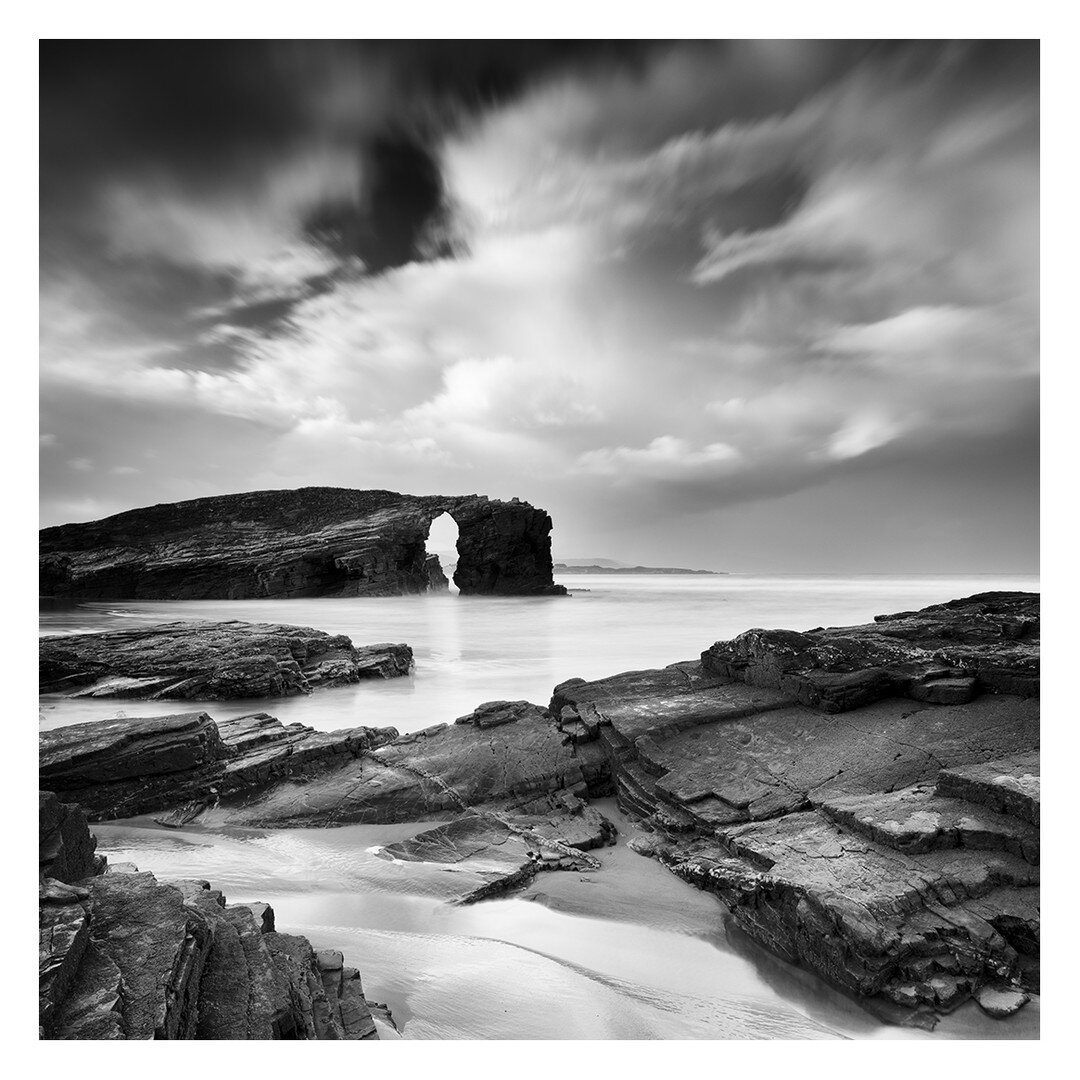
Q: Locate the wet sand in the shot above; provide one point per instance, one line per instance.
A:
(628, 952)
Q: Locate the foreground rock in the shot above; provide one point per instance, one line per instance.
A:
(882, 829)
(124, 956)
(191, 661)
(505, 753)
(308, 542)
(872, 823)
(186, 762)
(487, 852)
(946, 654)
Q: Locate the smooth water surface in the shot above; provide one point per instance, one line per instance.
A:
(474, 649)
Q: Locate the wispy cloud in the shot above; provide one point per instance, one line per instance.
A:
(715, 274)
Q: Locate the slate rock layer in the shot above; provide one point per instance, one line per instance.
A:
(125, 956)
(200, 660)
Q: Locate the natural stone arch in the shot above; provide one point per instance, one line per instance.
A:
(307, 542)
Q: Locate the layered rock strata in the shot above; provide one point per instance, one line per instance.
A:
(509, 754)
(486, 852)
(206, 661)
(878, 828)
(186, 762)
(946, 654)
(302, 543)
(124, 956)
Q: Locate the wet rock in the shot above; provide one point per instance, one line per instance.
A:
(125, 956)
(945, 654)
(199, 660)
(486, 853)
(1000, 1002)
(65, 845)
(440, 771)
(309, 542)
(865, 800)
(186, 762)
(1010, 786)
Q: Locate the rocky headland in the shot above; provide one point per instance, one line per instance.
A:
(125, 956)
(864, 800)
(209, 661)
(309, 542)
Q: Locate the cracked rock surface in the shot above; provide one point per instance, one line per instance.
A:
(125, 956)
(186, 761)
(854, 821)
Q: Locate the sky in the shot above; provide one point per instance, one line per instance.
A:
(754, 306)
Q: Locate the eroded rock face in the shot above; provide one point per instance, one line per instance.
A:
(945, 654)
(125, 956)
(885, 838)
(186, 762)
(307, 542)
(198, 660)
(510, 753)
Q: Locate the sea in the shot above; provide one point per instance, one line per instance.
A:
(629, 952)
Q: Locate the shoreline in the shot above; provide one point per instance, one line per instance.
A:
(607, 901)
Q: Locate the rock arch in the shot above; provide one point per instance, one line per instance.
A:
(298, 543)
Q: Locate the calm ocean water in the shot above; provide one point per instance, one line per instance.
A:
(474, 649)
(630, 952)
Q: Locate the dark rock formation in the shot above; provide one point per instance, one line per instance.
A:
(944, 654)
(307, 542)
(198, 660)
(885, 840)
(856, 811)
(507, 752)
(124, 956)
(186, 762)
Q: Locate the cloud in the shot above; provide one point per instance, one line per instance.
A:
(710, 275)
(665, 458)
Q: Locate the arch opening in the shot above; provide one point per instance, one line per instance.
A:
(442, 553)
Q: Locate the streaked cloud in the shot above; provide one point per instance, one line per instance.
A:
(701, 276)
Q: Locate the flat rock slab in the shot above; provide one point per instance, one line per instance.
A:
(945, 654)
(197, 660)
(917, 820)
(485, 853)
(441, 770)
(1010, 785)
(864, 799)
(186, 761)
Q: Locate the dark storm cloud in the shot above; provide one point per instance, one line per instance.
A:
(634, 282)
